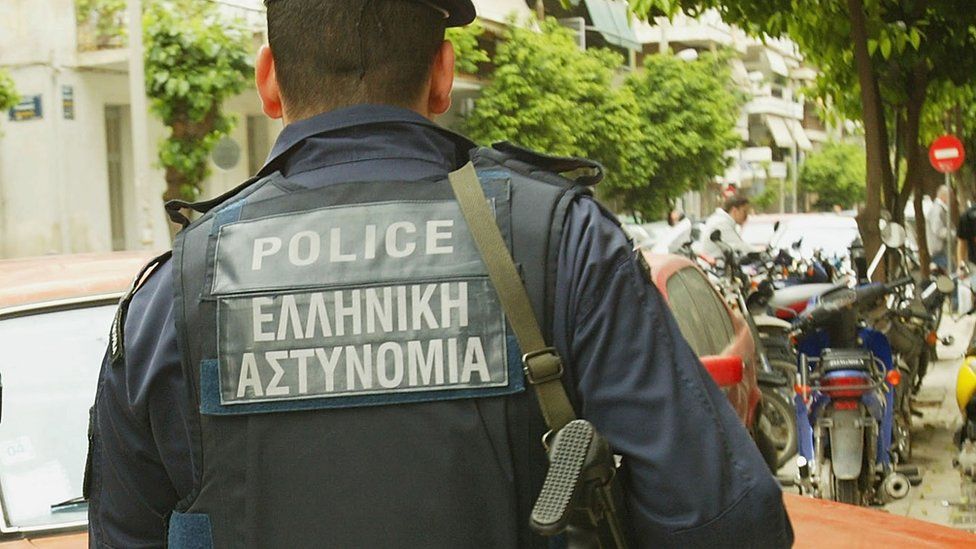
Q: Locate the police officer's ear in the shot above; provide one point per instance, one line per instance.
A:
(441, 80)
(267, 83)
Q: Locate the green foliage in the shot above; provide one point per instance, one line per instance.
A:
(548, 95)
(767, 198)
(467, 51)
(194, 62)
(664, 131)
(837, 174)
(688, 112)
(101, 22)
(8, 93)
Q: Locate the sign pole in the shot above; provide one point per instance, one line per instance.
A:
(950, 230)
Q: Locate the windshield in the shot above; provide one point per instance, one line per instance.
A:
(50, 367)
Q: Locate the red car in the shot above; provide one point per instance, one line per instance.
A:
(61, 307)
(718, 335)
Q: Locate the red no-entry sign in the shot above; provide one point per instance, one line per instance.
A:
(947, 154)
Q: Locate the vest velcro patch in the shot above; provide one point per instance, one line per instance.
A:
(299, 329)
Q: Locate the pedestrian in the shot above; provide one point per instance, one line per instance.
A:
(675, 216)
(937, 228)
(728, 221)
(322, 361)
(965, 256)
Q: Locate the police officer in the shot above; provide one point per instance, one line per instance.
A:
(322, 362)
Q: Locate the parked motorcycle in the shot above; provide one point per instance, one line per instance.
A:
(845, 398)
(777, 422)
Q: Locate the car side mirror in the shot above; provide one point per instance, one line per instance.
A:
(716, 236)
(725, 370)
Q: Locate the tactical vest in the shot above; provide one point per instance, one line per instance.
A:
(352, 377)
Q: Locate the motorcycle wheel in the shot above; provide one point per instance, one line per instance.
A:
(779, 425)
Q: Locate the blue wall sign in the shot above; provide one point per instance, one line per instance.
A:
(29, 108)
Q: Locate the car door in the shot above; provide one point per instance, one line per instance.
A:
(51, 356)
(708, 326)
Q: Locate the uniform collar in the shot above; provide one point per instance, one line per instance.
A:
(355, 116)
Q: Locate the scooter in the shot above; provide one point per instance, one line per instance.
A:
(965, 460)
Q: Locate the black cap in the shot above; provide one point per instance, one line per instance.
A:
(457, 13)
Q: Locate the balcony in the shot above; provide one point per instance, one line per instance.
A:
(101, 25)
(775, 106)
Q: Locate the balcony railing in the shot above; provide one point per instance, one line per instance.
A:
(101, 24)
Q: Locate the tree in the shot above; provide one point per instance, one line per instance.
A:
(878, 59)
(194, 62)
(548, 95)
(836, 174)
(688, 112)
(8, 93)
(467, 51)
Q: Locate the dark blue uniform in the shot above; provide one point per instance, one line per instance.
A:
(693, 476)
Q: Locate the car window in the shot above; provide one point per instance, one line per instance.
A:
(686, 313)
(715, 317)
(50, 366)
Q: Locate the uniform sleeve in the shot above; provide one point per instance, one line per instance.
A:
(140, 448)
(692, 474)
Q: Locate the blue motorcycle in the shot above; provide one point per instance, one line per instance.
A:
(845, 399)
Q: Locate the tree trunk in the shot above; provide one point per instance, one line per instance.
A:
(879, 175)
(914, 159)
(923, 247)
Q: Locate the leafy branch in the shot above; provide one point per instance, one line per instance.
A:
(194, 62)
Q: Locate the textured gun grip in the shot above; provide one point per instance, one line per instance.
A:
(550, 515)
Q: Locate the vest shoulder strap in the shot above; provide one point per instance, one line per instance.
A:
(549, 168)
(117, 334)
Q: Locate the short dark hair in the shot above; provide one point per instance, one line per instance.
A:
(735, 201)
(334, 53)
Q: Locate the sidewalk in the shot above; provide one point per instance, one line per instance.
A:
(936, 499)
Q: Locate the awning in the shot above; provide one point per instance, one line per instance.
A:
(610, 18)
(781, 133)
(800, 135)
(776, 63)
(501, 11)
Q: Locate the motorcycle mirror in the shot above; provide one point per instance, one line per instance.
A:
(945, 284)
(893, 235)
(775, 226)
(796, 245)
(716, 236)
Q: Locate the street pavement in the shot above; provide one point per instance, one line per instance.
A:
(938, 498)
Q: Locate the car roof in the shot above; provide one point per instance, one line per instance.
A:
(663, 266)
(822, 523)
(58, 277)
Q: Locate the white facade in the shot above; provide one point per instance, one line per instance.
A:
(67, 185)
(56, 193)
